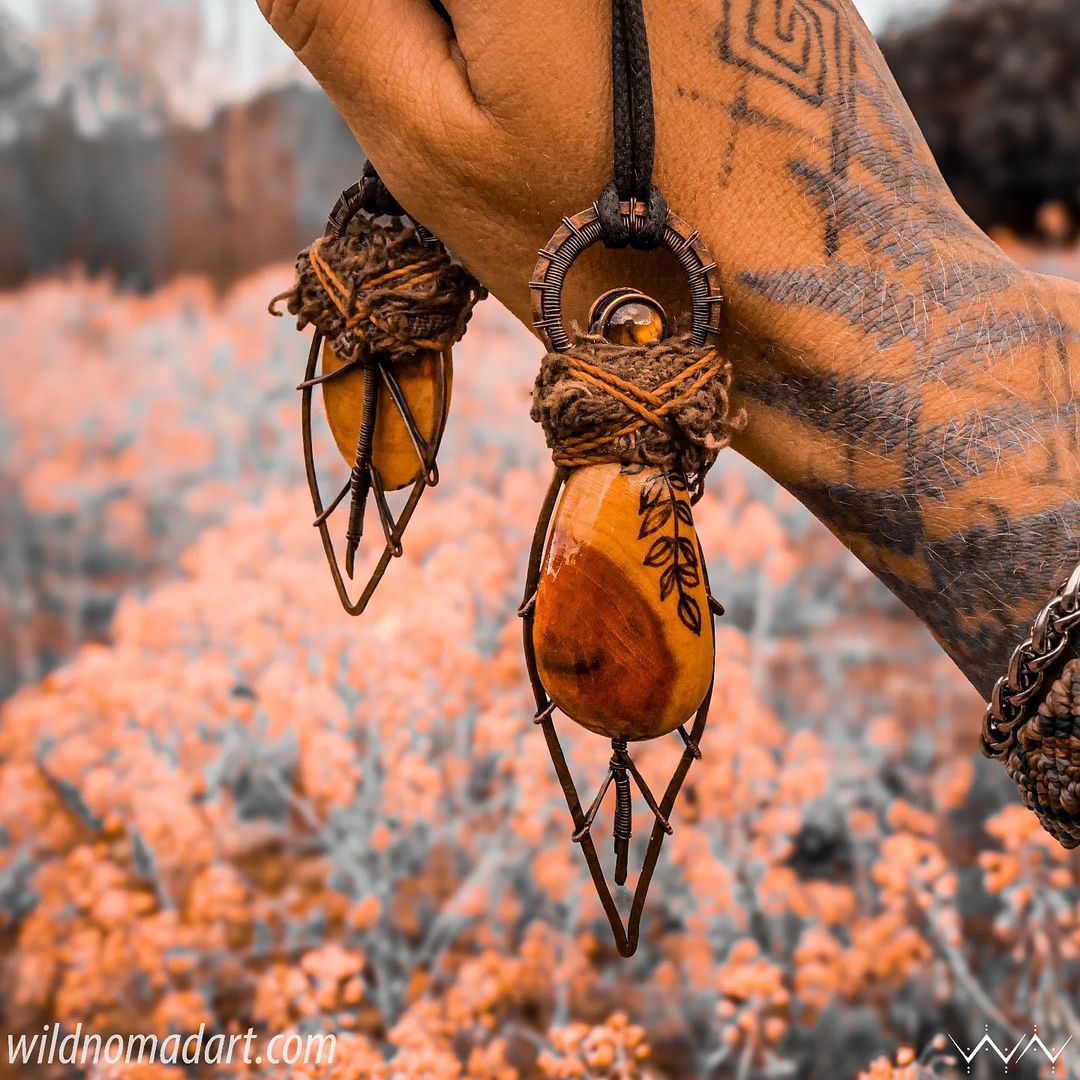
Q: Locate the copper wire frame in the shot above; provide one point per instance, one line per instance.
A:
(575, 235)
(365, 478)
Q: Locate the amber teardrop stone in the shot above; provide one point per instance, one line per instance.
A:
(627, 317)
(393, 451)
(622, 629)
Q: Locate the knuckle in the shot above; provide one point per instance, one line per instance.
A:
(294, 21)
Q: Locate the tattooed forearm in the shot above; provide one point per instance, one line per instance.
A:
(906, 380)
(915, 388)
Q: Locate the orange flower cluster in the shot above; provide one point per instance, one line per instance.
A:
(937, 1062)
(246, 809)
(614, 1050)
(902, 1068)
(754, 999)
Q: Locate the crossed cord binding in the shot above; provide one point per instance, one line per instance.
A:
(666, 404)
(363, 303)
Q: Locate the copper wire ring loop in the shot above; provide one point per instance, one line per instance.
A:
(350, 203)
(582, 231)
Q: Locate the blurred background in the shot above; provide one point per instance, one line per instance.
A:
(224, 802)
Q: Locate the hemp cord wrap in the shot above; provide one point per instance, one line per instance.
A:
(665, 404)
(1044, 761)
(381, 289)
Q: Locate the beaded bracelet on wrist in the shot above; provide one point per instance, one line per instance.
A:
(1036, 732)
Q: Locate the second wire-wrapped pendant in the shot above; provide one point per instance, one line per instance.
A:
(618, 617)
(388, 303)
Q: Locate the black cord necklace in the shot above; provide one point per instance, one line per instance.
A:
(634, 130)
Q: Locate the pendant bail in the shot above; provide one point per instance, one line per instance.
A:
(635, 223)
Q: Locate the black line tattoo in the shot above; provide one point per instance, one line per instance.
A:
(957, 453)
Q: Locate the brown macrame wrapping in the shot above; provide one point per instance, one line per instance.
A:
(1044, 762)
(665, 404)
(380, 288)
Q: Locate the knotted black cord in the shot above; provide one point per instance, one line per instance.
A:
(375, 197)
(634, 131)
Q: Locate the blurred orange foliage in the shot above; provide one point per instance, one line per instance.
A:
(242, 808)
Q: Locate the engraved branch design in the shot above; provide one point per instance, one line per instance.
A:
(672, 553)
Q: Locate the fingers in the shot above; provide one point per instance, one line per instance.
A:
(522, 65)
(386, 65)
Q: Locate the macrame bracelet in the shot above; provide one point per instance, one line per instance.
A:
(1037, 737)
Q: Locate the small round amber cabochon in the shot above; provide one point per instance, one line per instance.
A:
(627, 317)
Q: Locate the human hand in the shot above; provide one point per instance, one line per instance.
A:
(490, 132)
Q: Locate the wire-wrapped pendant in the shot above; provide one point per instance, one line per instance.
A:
(387, 303)
(618, 617)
